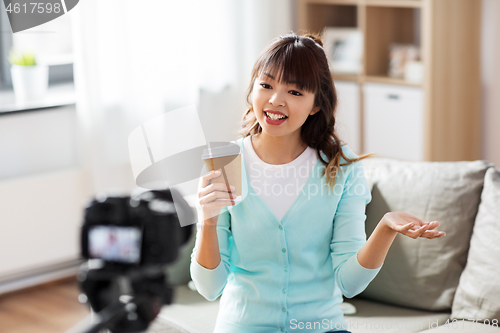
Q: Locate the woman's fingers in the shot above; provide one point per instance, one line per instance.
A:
(215, 187)
(413, 227)
(213, 209)
(216, 195)
(425, 232)
(411, 218)
(433, 234)
(400, 220)
(433, 225)
(415, 232)
(418, 232)
(220, 203)
(213, 196)
(428, 231)
(406, 227)
(207, 178)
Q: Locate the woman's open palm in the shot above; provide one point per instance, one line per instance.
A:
(412, 226)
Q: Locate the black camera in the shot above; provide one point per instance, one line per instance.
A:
(129, 241)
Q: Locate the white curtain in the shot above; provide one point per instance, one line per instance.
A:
(490, 72)
(135, 60)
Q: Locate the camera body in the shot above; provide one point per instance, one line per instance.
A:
(129, 241)
(126, 231)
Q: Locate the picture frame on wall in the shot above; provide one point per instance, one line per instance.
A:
(401, 55)
(344, 49)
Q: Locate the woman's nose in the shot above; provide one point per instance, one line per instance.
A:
(277, 99)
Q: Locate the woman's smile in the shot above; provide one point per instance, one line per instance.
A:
(275, 117)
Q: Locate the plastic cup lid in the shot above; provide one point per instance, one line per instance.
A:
(227, 150)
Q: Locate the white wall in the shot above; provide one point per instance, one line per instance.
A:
(42, 189)
(38, 141)
(40, 218)
(491, 81)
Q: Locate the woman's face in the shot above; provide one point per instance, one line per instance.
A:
(269, 96)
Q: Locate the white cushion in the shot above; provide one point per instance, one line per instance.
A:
(478, 293)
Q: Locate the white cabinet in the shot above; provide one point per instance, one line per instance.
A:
(347, 121)
(394, 121)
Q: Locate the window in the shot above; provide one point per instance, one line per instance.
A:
(5, 45)
(51, 42)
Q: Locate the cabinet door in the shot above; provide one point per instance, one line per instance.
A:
(394, 121)
(347, 121)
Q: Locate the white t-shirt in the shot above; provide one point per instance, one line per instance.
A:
(278, 185)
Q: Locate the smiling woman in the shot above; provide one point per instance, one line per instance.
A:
(259, 253)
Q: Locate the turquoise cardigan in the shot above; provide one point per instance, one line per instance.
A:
(278, 276)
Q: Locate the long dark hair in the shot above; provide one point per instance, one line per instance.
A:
(301, 58)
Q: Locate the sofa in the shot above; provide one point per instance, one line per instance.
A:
(445, 284)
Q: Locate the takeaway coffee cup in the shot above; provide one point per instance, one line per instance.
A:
(227, 159)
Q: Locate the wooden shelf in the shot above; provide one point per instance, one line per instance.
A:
(335, 2)
(448, 33)
(320, 14)
(384, 3)
(390, 80)
(394, 3)
(346, 77)
(374, 79)
(384, 27)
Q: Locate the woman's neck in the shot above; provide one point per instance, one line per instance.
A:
(277, 149)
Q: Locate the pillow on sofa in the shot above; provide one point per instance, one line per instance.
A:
(422, 273)
(478, 293)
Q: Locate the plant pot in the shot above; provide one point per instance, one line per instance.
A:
(30, 82)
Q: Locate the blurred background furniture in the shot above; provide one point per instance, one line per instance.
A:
(438, 119)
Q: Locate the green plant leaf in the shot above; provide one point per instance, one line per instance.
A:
(22, 59)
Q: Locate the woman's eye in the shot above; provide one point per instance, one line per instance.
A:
(293, 92)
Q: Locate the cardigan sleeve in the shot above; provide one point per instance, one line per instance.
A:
(349, 233)
(211, 282)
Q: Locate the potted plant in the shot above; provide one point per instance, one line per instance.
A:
(29, 78)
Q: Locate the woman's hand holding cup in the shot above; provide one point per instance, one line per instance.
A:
(214, 196)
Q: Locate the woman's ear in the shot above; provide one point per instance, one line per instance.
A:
(314, 110)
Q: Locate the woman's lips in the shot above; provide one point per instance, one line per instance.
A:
(276, 112)
(274, 122)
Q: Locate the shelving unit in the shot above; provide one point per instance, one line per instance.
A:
(448, 33)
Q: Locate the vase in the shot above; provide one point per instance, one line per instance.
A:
(30, 82)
